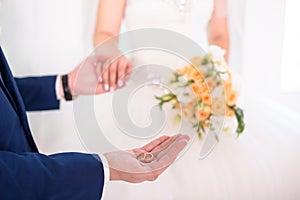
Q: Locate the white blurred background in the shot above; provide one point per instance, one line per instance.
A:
(52, 36)
(264, 40)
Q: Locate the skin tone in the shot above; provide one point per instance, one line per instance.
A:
(109, 23)
(125, 165)
(217, 29)
(96, 75)
(85, 79)
(165, 150)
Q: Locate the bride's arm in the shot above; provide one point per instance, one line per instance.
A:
(217, 29)
(109, 19)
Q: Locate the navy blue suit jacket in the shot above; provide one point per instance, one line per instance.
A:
(24, 172)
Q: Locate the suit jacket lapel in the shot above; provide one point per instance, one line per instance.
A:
(15, 97)
(7, 93)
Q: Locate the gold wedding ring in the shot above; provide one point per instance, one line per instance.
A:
(145, 157)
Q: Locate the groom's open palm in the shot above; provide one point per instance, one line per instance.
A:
(125, 166)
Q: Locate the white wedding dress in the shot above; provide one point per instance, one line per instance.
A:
(261, 164)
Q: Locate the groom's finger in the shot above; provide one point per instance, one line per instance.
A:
(160, 166)
(164, 145)
(153, 144)
(166, 151)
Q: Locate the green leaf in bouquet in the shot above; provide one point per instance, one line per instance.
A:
(207, 59)
(241, 127)
(175, 78)
(200, 136)
(200, 105)
(197, 105)
(158, 98)
(165, 99)
(168, 97)
(177, 119)
(189, 82)
(160, 105)
(239, 114)
(199, 127)
(217, 138)
(211, 72)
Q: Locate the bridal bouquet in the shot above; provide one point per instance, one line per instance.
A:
(203, 90)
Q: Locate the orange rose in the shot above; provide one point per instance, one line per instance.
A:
(190, 72)
(231, 98)
(197, 76)
(199, 89)
(206, 98)
(204, 114)
(196, 89)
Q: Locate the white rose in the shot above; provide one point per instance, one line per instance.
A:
(221, 68)
(184, 95)
(217, 53)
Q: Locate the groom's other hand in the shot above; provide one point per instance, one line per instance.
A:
(88, 77)
(125, 165)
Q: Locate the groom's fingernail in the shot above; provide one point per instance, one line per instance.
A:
(120, 83)
(106, 87)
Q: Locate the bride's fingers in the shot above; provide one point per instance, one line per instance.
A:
(113, 70)
(99, 72)
(99, 89)
(122, 65)
(105, 75)
(128, 72)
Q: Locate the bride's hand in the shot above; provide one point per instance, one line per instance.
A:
(116, 73)
(126, 165)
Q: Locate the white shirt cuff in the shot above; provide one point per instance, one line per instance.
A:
(57, 85)
(106, 171)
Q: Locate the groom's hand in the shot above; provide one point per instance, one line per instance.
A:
(125, 165)
(88, 77)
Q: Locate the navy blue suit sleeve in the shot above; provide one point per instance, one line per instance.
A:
(61, 176)
(38, 93)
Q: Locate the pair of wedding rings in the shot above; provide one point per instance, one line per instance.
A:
(145, 157)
